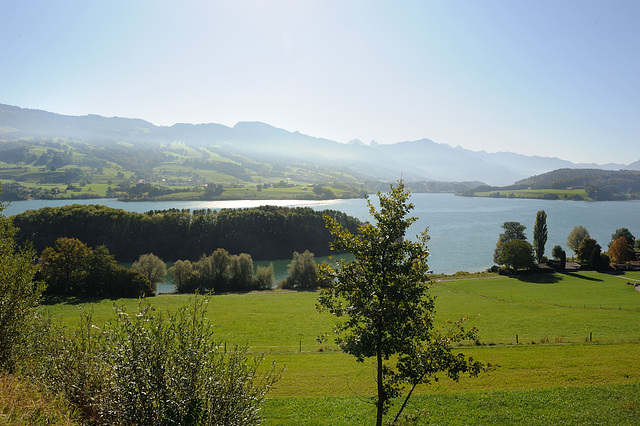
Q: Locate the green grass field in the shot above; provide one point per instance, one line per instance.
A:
(553, 375)
(562, 194)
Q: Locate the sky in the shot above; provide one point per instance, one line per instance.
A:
(557, 78)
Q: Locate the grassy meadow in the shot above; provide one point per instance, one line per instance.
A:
(563, 194)
(575, 360)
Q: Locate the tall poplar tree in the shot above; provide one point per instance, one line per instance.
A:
(540, 235)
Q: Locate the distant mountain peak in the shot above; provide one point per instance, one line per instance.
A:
(633, 166)
(421, 159)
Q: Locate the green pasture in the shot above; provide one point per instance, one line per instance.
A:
(578, 341)
(589, 405)
(537, 193)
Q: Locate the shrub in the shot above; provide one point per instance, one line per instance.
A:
(264, 277)
(182, 274)
(152, 368)
(303, 272)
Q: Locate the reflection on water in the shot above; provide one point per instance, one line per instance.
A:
(279, 270)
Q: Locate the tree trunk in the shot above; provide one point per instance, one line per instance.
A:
(381, 396)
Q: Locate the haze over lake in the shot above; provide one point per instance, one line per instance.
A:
(463, 230)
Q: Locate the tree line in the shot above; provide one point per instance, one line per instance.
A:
(514, 252)
(71, 268)
(266, 232)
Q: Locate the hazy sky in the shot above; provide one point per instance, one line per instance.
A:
(552, 78)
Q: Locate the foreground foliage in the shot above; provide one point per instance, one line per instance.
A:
(19, 294)
(150, 367)
(21, 403)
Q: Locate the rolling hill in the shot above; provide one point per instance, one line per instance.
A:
(252, 148)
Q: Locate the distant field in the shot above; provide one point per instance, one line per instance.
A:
(563, 194)
(588, 405)
(553, 318)
(94, 169)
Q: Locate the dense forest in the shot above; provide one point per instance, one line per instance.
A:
(266, 232)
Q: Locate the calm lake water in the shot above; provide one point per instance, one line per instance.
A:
(463, 230)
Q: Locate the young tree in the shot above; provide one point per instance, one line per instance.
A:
(182, 274)
(540, 234)
(383, 297)
(577, 234)
(264, 277)
(220, 273)
(303, 271)
(152, 267)
(241, 267)
(512, 231)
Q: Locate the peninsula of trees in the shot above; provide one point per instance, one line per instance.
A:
(266, 232)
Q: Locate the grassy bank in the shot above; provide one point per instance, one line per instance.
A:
(548, 193)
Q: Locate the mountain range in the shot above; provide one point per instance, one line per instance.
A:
(421, 159)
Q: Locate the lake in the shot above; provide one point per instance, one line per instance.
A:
(463, 230)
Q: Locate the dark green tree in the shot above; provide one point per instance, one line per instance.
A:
(540, 234)
(99, 280)
(72, 268)
(512, 231)
(560, 256)
(382, 296)
(65, 266)
(516, 254)
(590, 253)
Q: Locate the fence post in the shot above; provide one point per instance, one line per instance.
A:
(300, 346)
(590, 335)
(516, 339)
